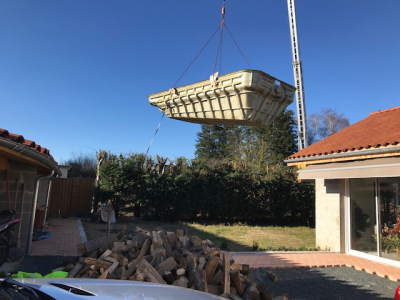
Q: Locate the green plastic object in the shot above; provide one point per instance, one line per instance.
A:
(56, 274)
(21, 274)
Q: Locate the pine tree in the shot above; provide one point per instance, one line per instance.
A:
(214, 142)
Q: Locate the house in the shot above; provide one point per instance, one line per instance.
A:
(25, 172)
(357, 185)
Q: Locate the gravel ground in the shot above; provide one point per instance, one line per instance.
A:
(327, 283)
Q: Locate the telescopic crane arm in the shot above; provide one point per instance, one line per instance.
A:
(298, 78)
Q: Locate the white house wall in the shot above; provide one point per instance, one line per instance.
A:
(329, 214)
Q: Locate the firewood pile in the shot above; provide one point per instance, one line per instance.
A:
(167, 258)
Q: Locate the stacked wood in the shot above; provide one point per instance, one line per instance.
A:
(166, 258)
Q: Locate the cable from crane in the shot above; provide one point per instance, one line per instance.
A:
(217, 59)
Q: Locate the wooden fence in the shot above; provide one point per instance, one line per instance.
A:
(71, 197)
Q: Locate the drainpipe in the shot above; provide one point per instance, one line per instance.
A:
(32, 221)
(48, 200)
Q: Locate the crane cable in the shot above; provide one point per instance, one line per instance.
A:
(218, 57)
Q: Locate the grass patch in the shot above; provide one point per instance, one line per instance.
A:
(237, 237)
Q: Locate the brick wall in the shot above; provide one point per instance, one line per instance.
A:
(26, 175)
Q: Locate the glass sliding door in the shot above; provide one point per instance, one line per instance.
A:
(374, 207)
(388, 208)
(363, 215)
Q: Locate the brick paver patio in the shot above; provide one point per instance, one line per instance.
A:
(66, 235)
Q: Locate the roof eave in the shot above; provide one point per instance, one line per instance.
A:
(353, 155)
(31, 153)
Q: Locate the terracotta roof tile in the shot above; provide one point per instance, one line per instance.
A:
(381, 128)
(21, 140)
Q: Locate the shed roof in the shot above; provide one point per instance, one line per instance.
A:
(17, 138)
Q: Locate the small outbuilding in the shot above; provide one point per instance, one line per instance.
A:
(25, 172)
(357, 187)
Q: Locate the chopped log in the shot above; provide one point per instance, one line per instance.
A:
(192, 263)
(218, 278)
(246, 278)
(140, 230)
(182, 282)
(201, 281)
(94, 261)
(157, 241)
(150, 273)
(201, 264)
(182, 263)
(252, 292)
(215, 289)
(195, 240)
(180, 272)
(186, 252)
(160, 252)
(138, 239)
(227, 282)
(145, 249)
(171, 237)
(68, 267)
(123, 261)
(167, 265)
(196, 248)
(210, 268)
(243, 268)
(168, 277)
(166, 243)
(75, 270)
(206, 249)
(120, 271)
(178, 244)
(110, 259)
(180, 233)
(112, 268)
(107, 275)
(236, 283)
(95, 244)
(117, 246)
(184, 240)
(272, 276)
(94, 267)
(105, 254)
(93, 274)
(138, 277)
(131, 269)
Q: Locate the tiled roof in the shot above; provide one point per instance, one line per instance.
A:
(21, 140)
(380, 129)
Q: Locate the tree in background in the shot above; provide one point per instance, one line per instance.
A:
(328, 122)
(214, 142)
(81, 165)
(254, 148)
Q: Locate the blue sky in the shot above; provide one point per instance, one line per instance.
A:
(75, 75)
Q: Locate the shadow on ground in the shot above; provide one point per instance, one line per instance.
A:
(327, 283)
(44, 264)
(95, 230)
